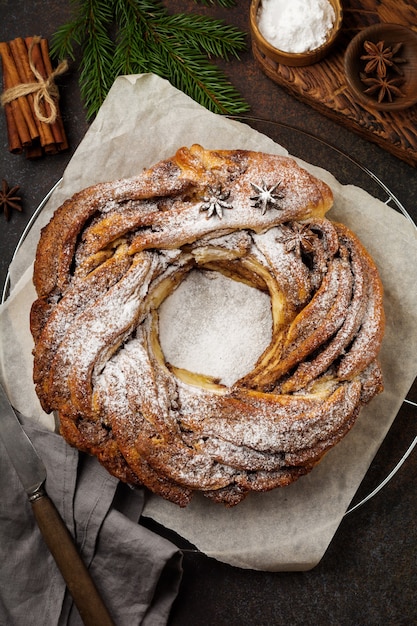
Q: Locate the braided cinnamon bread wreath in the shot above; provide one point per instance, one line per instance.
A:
(110, 256)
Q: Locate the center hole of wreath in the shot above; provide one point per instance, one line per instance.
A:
(215, 326)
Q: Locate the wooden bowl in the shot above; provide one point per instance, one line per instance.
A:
(294, 58)
(390, 34)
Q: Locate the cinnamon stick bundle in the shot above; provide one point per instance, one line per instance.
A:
(30, 98)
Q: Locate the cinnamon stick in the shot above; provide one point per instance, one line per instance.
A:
(17, 119)
(34, 152)
(50, 139)
(15, 144)
(10, 70)
(15, 140)
(58, 127)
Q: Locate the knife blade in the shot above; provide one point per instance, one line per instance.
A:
(32, 474)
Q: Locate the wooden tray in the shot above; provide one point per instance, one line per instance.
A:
(323, 85)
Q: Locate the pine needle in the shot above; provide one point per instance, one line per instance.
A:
(146, 38)
(221, 3)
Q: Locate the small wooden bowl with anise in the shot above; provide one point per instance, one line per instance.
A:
(381, 66)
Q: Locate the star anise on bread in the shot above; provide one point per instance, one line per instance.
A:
(266, 196)
(8, 199)
(379, 57)
(297, 238)
(215, 201)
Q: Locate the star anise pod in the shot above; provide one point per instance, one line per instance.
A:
(379, 57)
(383, 87)
(265, 196)
(395, 60)
(215, 201)
(297, 238)
(8, 199)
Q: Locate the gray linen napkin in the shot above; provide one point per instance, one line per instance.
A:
(137, 571)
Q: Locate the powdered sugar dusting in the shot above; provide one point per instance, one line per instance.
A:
(215, 326)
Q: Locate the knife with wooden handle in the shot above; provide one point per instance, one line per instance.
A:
(32, 474)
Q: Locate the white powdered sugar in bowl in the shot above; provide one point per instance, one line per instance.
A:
(296, 25)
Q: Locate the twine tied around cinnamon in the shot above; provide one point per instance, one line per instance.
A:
(43, 89)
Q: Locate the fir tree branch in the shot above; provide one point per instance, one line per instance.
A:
(96, 75)
(207, 34)
(177, 47)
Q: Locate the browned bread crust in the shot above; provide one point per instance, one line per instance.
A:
(113, 252)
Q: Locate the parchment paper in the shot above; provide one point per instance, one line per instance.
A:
(143, 120)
